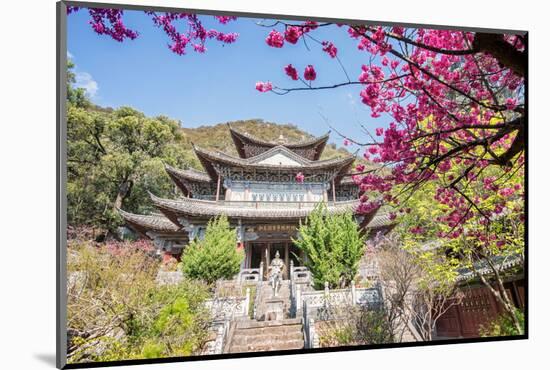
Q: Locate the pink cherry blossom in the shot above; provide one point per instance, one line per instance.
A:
(291, 72)
(275, 39)
(264, 86)
(292, 34)
(511, 103)
(309, 73)
(330, 49)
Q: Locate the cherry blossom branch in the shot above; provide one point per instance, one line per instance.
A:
(284, 91)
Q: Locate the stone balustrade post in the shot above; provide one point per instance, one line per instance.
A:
(298, 299)
(353, 293)
(218, 344)
(247, 301)
(326, 289)
(291, 270)
(312, 335)
(261, 271)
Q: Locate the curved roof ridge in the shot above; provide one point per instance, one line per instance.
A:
(307, 142)
(213, 155)
(279, 149)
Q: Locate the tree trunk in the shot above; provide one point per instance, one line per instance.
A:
(124, 191)
(501, 296)
(506, 54)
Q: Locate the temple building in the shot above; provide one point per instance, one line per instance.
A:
(260, 194)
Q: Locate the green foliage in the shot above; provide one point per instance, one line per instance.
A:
(333, 245)
(355, 325)
(113, 159)
(496, 235)
(503, 326)
(75, 96)
(214, 257)
(116, 311)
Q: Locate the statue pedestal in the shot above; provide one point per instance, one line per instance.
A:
(274, 309)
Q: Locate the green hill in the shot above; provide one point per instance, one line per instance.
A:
(217, 137)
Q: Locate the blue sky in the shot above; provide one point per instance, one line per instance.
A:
(218, 86)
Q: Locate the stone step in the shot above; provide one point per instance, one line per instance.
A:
(266, 339)
(254, 336)
(281, 293)
(278, 346)
(247, 324)
(273, 331)
(266, 292)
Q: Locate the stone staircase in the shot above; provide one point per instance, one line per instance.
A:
(266, 292)
(257, 336)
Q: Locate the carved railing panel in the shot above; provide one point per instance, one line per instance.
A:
(228, 307)
(250, 275)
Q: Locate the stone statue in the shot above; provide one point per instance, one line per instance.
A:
(277, 267)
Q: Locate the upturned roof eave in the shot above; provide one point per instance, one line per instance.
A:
(240, 138)
(144, 223)
(205, 209)
(207, 157)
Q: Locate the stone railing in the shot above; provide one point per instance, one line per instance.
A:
(311, 339)
(251, 275)
(221, 330)
(227, 308)
(316, 299)
(300, 280)
(299, 274)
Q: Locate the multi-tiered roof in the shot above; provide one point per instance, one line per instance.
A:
(276, 164)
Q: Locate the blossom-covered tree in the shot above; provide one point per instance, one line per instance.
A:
(458, 130)
(456, 99)
(109, 22)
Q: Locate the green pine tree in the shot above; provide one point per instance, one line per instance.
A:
(333, 245)
(214, 257)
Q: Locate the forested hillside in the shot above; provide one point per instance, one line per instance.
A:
(217, 137)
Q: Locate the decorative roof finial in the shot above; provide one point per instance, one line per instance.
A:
(281, 139)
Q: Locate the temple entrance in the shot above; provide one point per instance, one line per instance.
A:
(258, 252)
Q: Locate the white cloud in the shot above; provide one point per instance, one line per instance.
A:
(69, 55)
(351, 99)
(87, 82)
